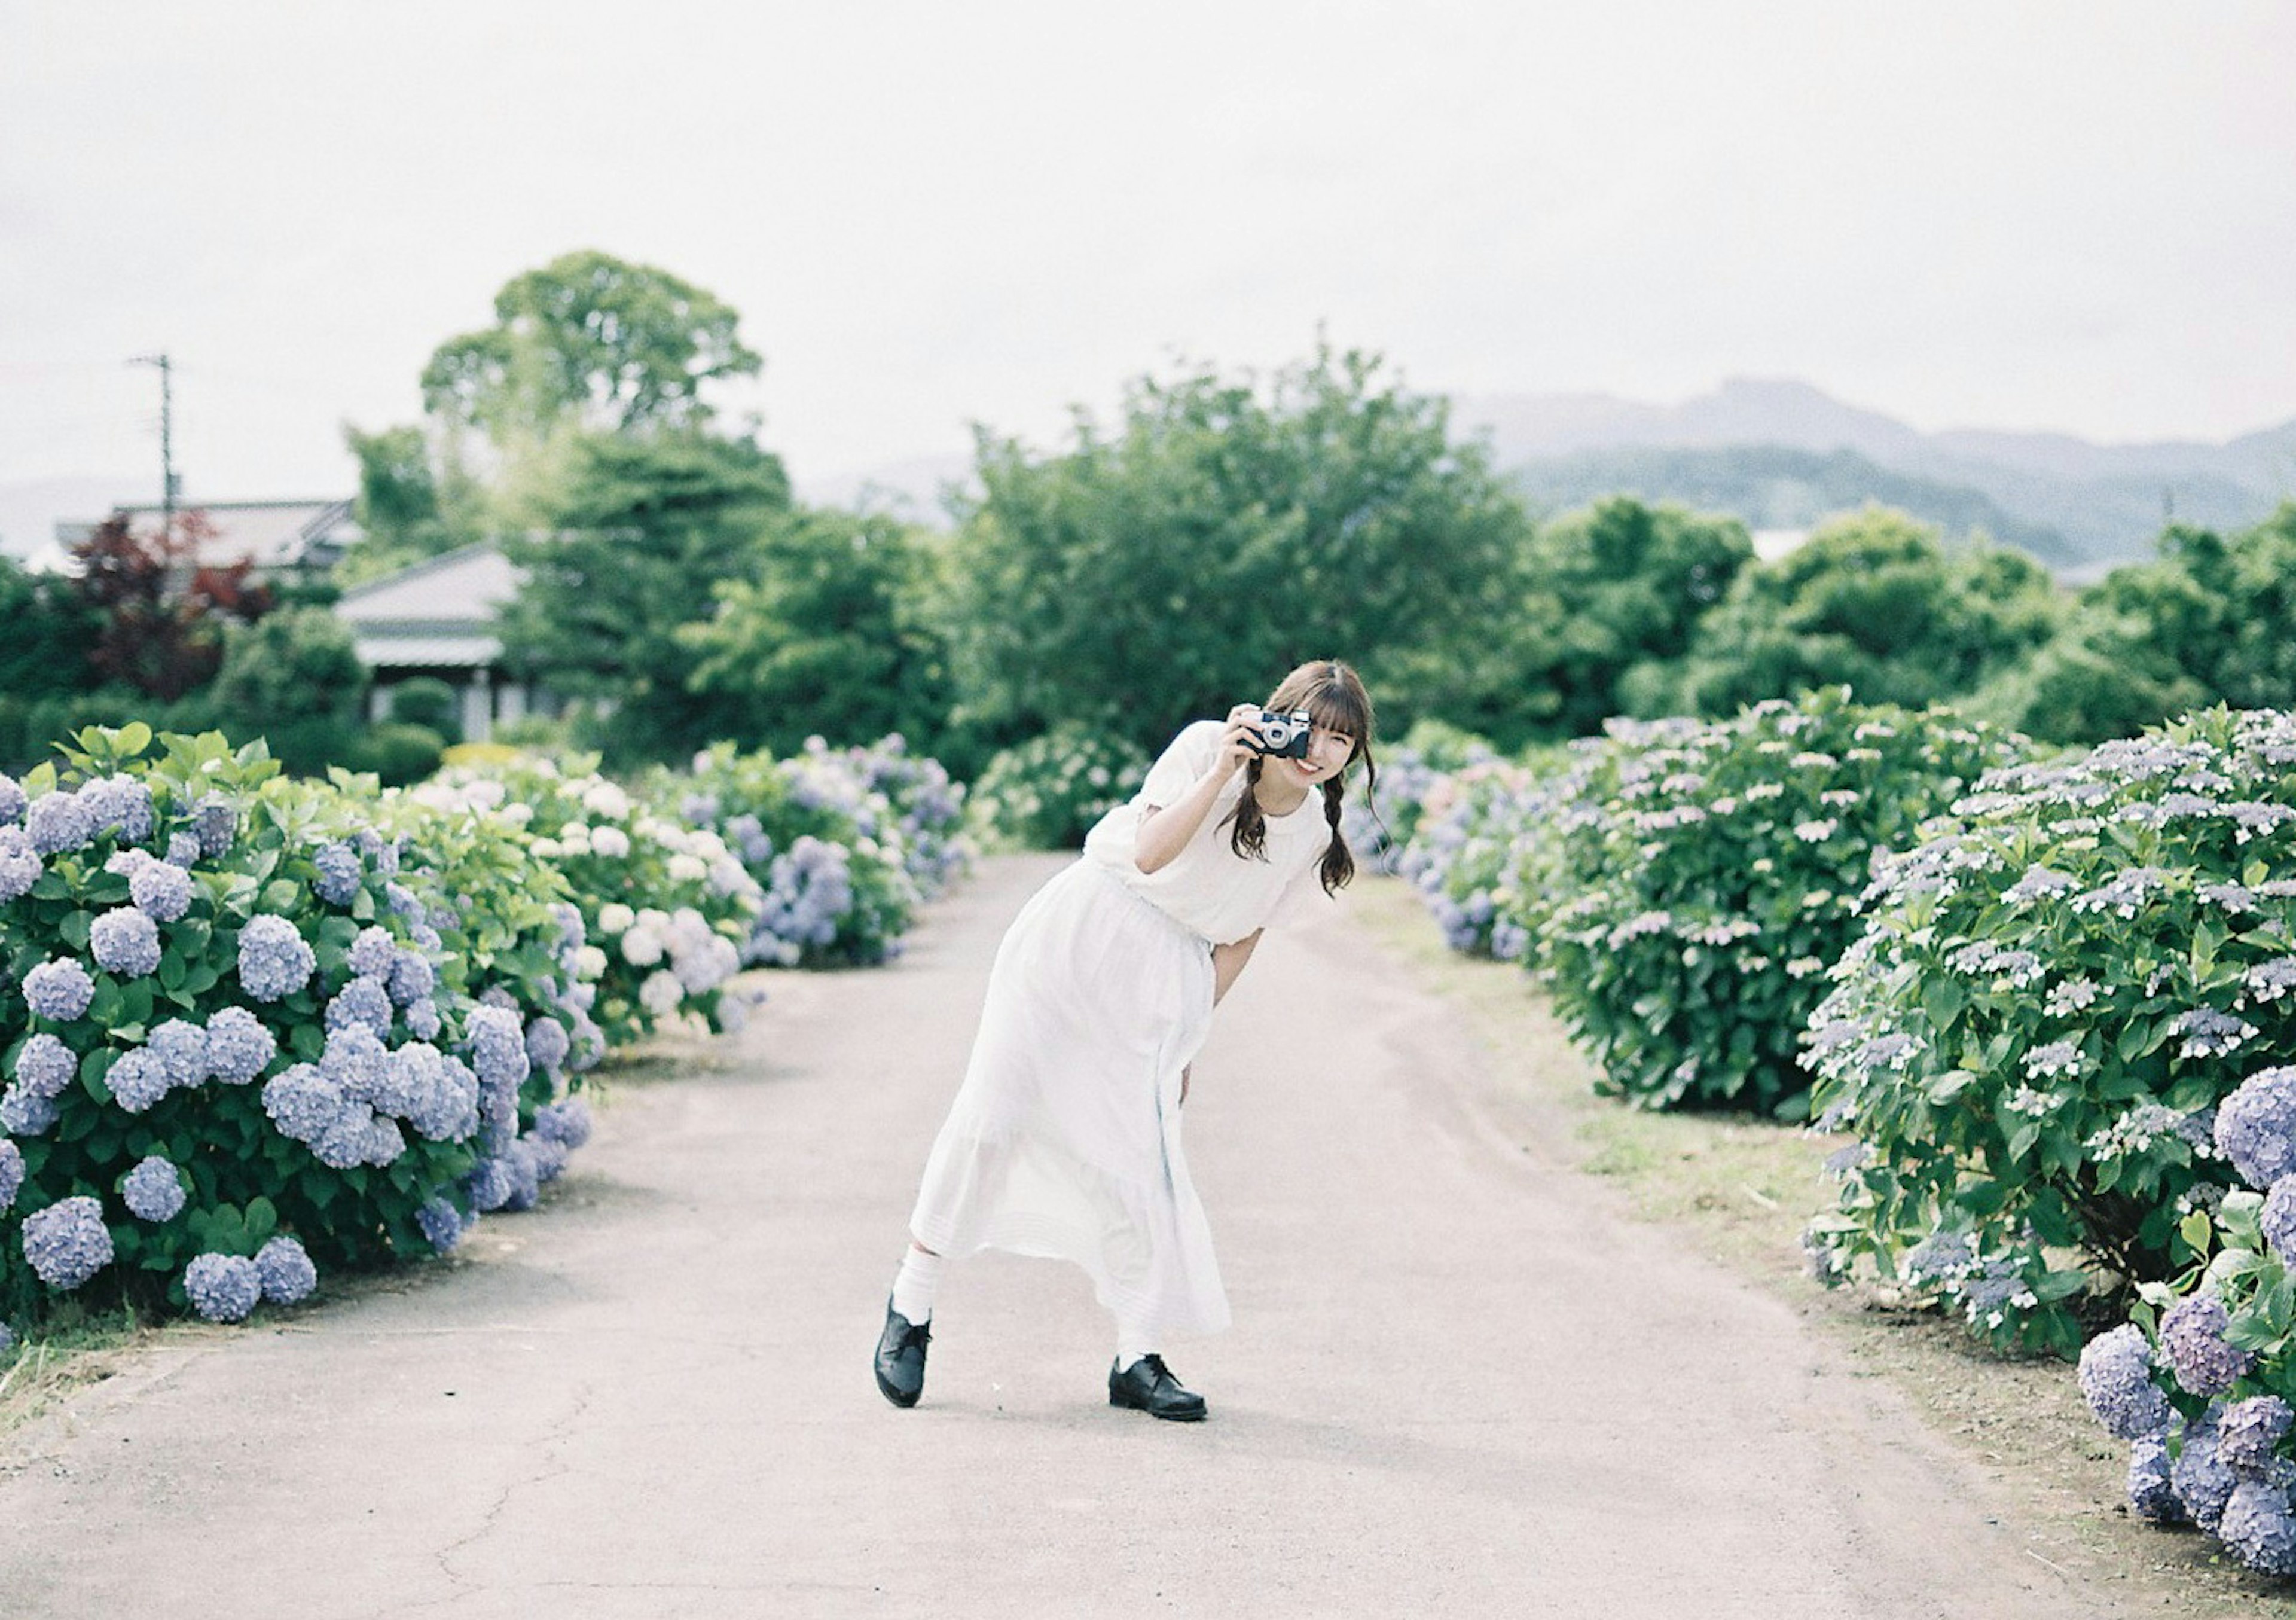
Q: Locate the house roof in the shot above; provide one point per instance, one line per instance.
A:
(428, 652)
(462, 590)
(271, 534)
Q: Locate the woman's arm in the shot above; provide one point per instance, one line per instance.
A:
(1165, 829)
(1227, 963)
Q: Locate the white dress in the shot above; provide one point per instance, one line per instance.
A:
(1064, 1139)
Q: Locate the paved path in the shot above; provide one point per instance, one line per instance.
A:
(1457, 1384)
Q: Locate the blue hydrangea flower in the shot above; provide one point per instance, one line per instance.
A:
(383, 852)
(67, 1243)
(58, 822)
(355, 1060)
(525, 1175)
(120, 804)
(2258, 1527)
(411, 977)
(275, 961)
(154, 1190)
(19, 865)
(215, 818)
(284, 1271)
(240, 1046)
(568, 919)
(12, 800)
(7, 1338)
(26, 1113)
(371, 952)
(139, 1079)
(303, 1103)
(59, 989)
(182, 1046)
(45, 1066)
(161, 892)
(423, 1020)
(2256, 1126)
(567, 1121)
(2202, 1481)
(2151, 1495)
(549, 1156)
(125, 941)
(401, 900)
(350, 1141)
(184, 849)
(12, 1173)
(2116, 1378)
(2192, 1339)
(497, 1046)
(339, 871)
(441, 1224)
(2249, 1434)
(490, 1185)
(362, 1001)
(222, 1288)
(546, 1043)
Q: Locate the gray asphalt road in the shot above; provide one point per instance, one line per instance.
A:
(1456, 1385)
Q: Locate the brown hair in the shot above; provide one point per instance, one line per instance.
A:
(1333, 696)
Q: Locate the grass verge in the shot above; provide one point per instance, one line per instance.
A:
(1740, 1191)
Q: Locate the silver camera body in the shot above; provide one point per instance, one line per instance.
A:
(1282, 737)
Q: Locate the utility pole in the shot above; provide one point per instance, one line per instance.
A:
(166, 443)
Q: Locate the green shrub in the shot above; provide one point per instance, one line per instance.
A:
(397, 755)
(429, 701)
(1047, 792)
(2052, 993)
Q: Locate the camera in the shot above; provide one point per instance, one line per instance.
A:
(1284, 736)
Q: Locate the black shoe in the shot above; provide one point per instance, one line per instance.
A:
(1148, 1386)
(901, 1357)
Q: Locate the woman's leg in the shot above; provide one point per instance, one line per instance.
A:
(915, 1283)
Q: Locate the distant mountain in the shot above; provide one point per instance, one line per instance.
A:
(2103, 502)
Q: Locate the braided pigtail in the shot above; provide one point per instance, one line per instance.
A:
(1338, 860)
(1247, 823)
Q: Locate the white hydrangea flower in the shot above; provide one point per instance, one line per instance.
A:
(661, 993)
(641, 947)
(589, 963)
(609, 800)
(687, 870)
(615, 918)
(611, 842)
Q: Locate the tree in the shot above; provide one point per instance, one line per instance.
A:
(407, 509)
(161, 612)
(1222, 533)
(295, 678)
(826, 635)
(52, 631)
(640, 537)
(610, 346)
(1873, 601)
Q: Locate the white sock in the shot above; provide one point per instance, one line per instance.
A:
(913, 1285)
(1132, 1343)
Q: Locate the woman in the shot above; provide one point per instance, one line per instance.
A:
(1064, 1141)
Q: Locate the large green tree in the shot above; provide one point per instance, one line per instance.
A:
(1222, 530)
(640, 537)
(824, 635)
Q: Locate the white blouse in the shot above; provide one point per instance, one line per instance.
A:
(1207, 886)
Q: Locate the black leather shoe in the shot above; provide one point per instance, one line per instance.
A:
(901, 1357)
(1148, 1386)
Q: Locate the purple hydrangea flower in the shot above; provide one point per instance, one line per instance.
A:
(303, 1103)
(2259, 1528)
(58, 822)
(12, 1173)
(125, 941)
(549, 1156)
(222, 1288)
(45, 1066)
(216, 820)
(2193, 1340)
(59, 989)
(2152, 1494)
(362, 1001)
(183, 1046)
(19, 865)
(67, 1243)
(275, 961)
(139, 1079)
(441, 1224)
(240, 1046)
(2248, 1434)
(401, 900)
(411, 977)
(2278, 1219)
(525, 1175)
(356, 1061)
(2203, 1481)
(120, 804)
(184, 849)
(423, 1020)
(497, 1046)
(568, 1122)
(26, 1113)
(569, 917)
(339, 871)
(371, 952)
(161, 892)
(546, 1044)
(2256, 1126)
(12, 800)
(2116, 1378)
(490, 1185)
(154, 1190)
(284, 1271)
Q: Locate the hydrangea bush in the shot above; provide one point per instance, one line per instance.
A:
(1479, 858)
(1046, 793)
(2053, 992)
(1409, 773)
(1709, 872)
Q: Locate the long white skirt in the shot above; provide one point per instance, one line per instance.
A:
(1064, 1141)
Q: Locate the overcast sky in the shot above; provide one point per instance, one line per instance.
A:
(2078, 216)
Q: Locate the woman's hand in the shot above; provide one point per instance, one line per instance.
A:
(1238, 743)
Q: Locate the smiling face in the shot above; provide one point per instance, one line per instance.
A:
(1336, 701)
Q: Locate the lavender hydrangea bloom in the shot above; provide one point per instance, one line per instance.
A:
(183, 1046)
(2258, 1527)
(45, 1066)
(401, 900)
(58, 822)
(2278, 1219)
(2152, 1494)
(239, 1047)
(154, 1190)
(2256, 1126)
(371, 951)
(275, 961)
(362, 1001)
(161, 892)
(12, 1173)
(525, 1175)
(497, 1046)
(568, 1122)
(442, 1093)
(546, 1043)
(2116, 1378)
(59, 989)
(19, 865)
(441, 1224)
(423, 1020)
(339, 871)
(2192, 1339)
(126, 942)
(2248, 1434)
(2203, 1481)
(216, 820)
(12, 800)
(490, 1185)
(67, 1243)
(284, 1271)
(120, 804)
(139, 1079)
(356, 1061)
(411, 977)
(303, 1103)
(222, 1288)
(184, 849)
(24, 1114)
(549, 1156)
